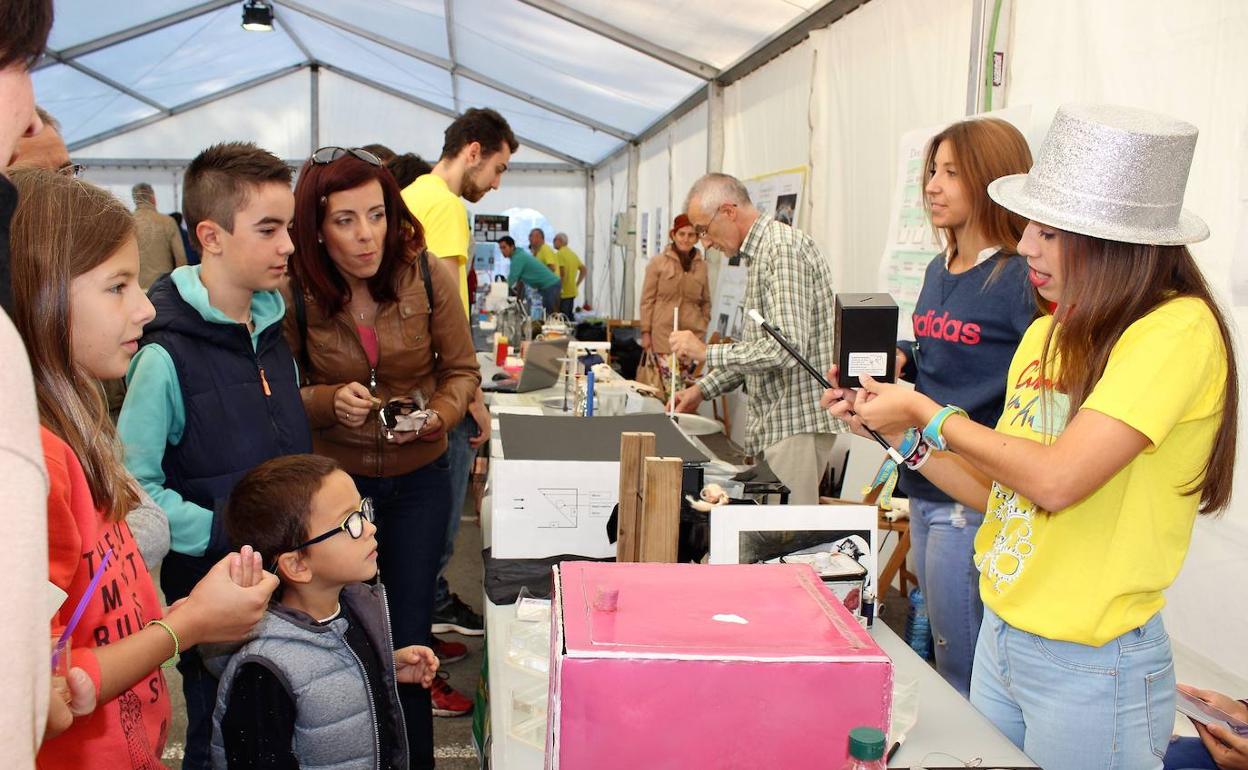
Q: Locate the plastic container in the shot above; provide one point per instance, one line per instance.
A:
(918, 627)
(866, 750)
(500, 354)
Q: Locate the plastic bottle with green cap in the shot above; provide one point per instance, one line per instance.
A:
(866, 750)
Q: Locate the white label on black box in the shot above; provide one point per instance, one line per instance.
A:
(874, 364)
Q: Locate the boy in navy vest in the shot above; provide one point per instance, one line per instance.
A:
(316, 687)
(214, 390)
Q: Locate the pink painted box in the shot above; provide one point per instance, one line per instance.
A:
(707, 666)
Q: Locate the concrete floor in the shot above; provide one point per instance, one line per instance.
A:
(452, 736)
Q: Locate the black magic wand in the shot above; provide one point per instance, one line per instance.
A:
(788, 346)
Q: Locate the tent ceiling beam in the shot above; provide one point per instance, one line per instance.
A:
(130, 33)
(294, 38)
(449, 5)
(106, 80)
(669, 57)
(186, 107)
(453, 68)
(517, 93)
(175, 164)
(441, 110)
(826, 14)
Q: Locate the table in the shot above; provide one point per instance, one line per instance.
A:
(947, 722)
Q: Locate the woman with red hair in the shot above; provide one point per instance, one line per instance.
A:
(388, 367)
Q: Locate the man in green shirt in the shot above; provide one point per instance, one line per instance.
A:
(526, 269)
(572, 270)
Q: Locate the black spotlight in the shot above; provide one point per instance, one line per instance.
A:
(257, 16)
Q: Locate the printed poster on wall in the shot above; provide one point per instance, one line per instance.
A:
(488, 228)
(727, 313)
(660, 232)
(644, 251)
(779, 194)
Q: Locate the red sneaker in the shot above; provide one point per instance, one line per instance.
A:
(447, 701)
(449, 652)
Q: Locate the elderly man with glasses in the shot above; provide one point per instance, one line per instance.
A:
(790, 284)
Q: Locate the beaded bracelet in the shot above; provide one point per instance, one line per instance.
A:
(177, 645)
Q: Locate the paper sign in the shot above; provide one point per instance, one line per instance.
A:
(545, 508)
(874, 364)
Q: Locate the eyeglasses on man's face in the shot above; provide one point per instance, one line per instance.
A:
(69, 168)
(701, 230)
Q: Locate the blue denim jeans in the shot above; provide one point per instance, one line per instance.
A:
(1188, 754)
(942, 539)
(1071, 706)
(412, 512)
(460, 456)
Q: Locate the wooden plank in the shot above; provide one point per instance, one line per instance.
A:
(660, 511)
(633, 448)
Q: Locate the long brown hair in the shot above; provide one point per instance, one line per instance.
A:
(1110, 285)
(985, 149)
(64, 227)
(311, 266)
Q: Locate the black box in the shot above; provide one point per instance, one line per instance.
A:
(866, 337)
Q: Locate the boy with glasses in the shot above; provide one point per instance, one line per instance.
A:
(317, 685)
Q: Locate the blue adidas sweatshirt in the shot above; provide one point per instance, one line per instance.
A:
(966, 329)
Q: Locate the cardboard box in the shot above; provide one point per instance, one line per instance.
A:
(866, 337)
(707, 666)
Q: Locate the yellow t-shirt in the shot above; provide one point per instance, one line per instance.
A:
(445, 220)
(1097, 569)
(571, 265)
(546, 255)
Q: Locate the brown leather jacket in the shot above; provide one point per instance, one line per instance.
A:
(432, 354)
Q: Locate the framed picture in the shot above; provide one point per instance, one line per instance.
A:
(839, 541)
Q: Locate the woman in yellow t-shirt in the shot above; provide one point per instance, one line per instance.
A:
(1118, 428)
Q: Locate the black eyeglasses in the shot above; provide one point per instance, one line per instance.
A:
(701, 230)
(327, 155)
(353, 525)
(71, 169)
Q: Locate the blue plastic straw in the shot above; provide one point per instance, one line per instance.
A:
(589, 393)
(82, 606)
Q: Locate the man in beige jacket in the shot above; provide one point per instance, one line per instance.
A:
(160, 239)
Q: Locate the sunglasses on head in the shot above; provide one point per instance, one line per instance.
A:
(327, 155)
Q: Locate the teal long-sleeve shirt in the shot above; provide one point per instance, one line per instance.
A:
(525, 267)
(153, 416)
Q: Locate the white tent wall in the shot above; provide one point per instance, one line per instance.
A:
(1186, 60)
(887, 68)
(353, 114)
(165, 182)
(607, 264)
(273, 115)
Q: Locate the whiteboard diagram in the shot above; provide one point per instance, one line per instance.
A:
(568, 505)
(546, 508)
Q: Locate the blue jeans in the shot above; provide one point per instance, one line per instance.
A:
(550, 297)
(942, 539)
(460, 456)
(1071, 706)
(412, 512)
(1188, 754)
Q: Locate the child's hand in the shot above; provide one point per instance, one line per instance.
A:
(415, 665)
(81, 701)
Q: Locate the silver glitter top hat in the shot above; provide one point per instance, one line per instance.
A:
(1116, 173)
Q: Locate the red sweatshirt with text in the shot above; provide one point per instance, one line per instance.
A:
(130, 730)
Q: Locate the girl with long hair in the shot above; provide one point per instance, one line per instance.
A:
(380, 333)
(1118, 429)
(973, 308)
(78, 306)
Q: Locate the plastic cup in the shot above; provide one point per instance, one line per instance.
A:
(60, 666)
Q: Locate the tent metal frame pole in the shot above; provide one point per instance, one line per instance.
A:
(113, 84)
(978, 52)
(714, 127)
(130, 33)
(455, 69)
(449, 5)
(687, 64)
(314, 108)
(289, 31)
(589, 235)
(630, 251)
(186, 107)
(396, 93)
(818, 18)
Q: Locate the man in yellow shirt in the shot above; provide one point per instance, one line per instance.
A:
(571, 270)
(475, 154)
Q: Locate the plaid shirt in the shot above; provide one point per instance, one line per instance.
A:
(790, 283)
